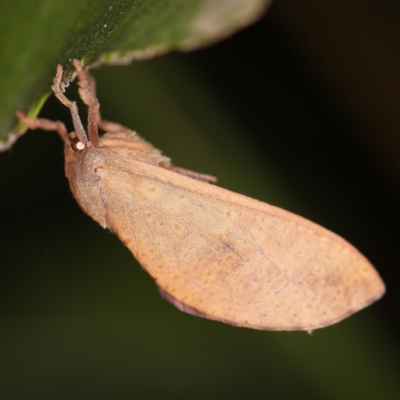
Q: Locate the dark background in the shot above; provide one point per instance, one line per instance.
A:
(300, 110)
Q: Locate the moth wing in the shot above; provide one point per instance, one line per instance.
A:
(227, 257)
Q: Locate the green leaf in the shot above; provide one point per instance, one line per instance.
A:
(36, 36)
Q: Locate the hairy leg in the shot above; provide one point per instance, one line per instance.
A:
(45, 124)
(80, 131)
(87, 92)
(193, 174)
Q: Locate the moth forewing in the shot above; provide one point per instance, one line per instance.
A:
(229, 257)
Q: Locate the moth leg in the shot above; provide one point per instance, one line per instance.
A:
(45, 124)
(80, 131)
(87, 92)
(111, 127)
(192, 174)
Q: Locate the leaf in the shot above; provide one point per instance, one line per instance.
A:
(36, 36)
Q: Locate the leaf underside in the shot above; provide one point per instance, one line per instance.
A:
(36, 36)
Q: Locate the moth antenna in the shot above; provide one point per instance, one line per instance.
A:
(87, 89)
(80, 131)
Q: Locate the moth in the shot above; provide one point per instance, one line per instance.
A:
(211, 252)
